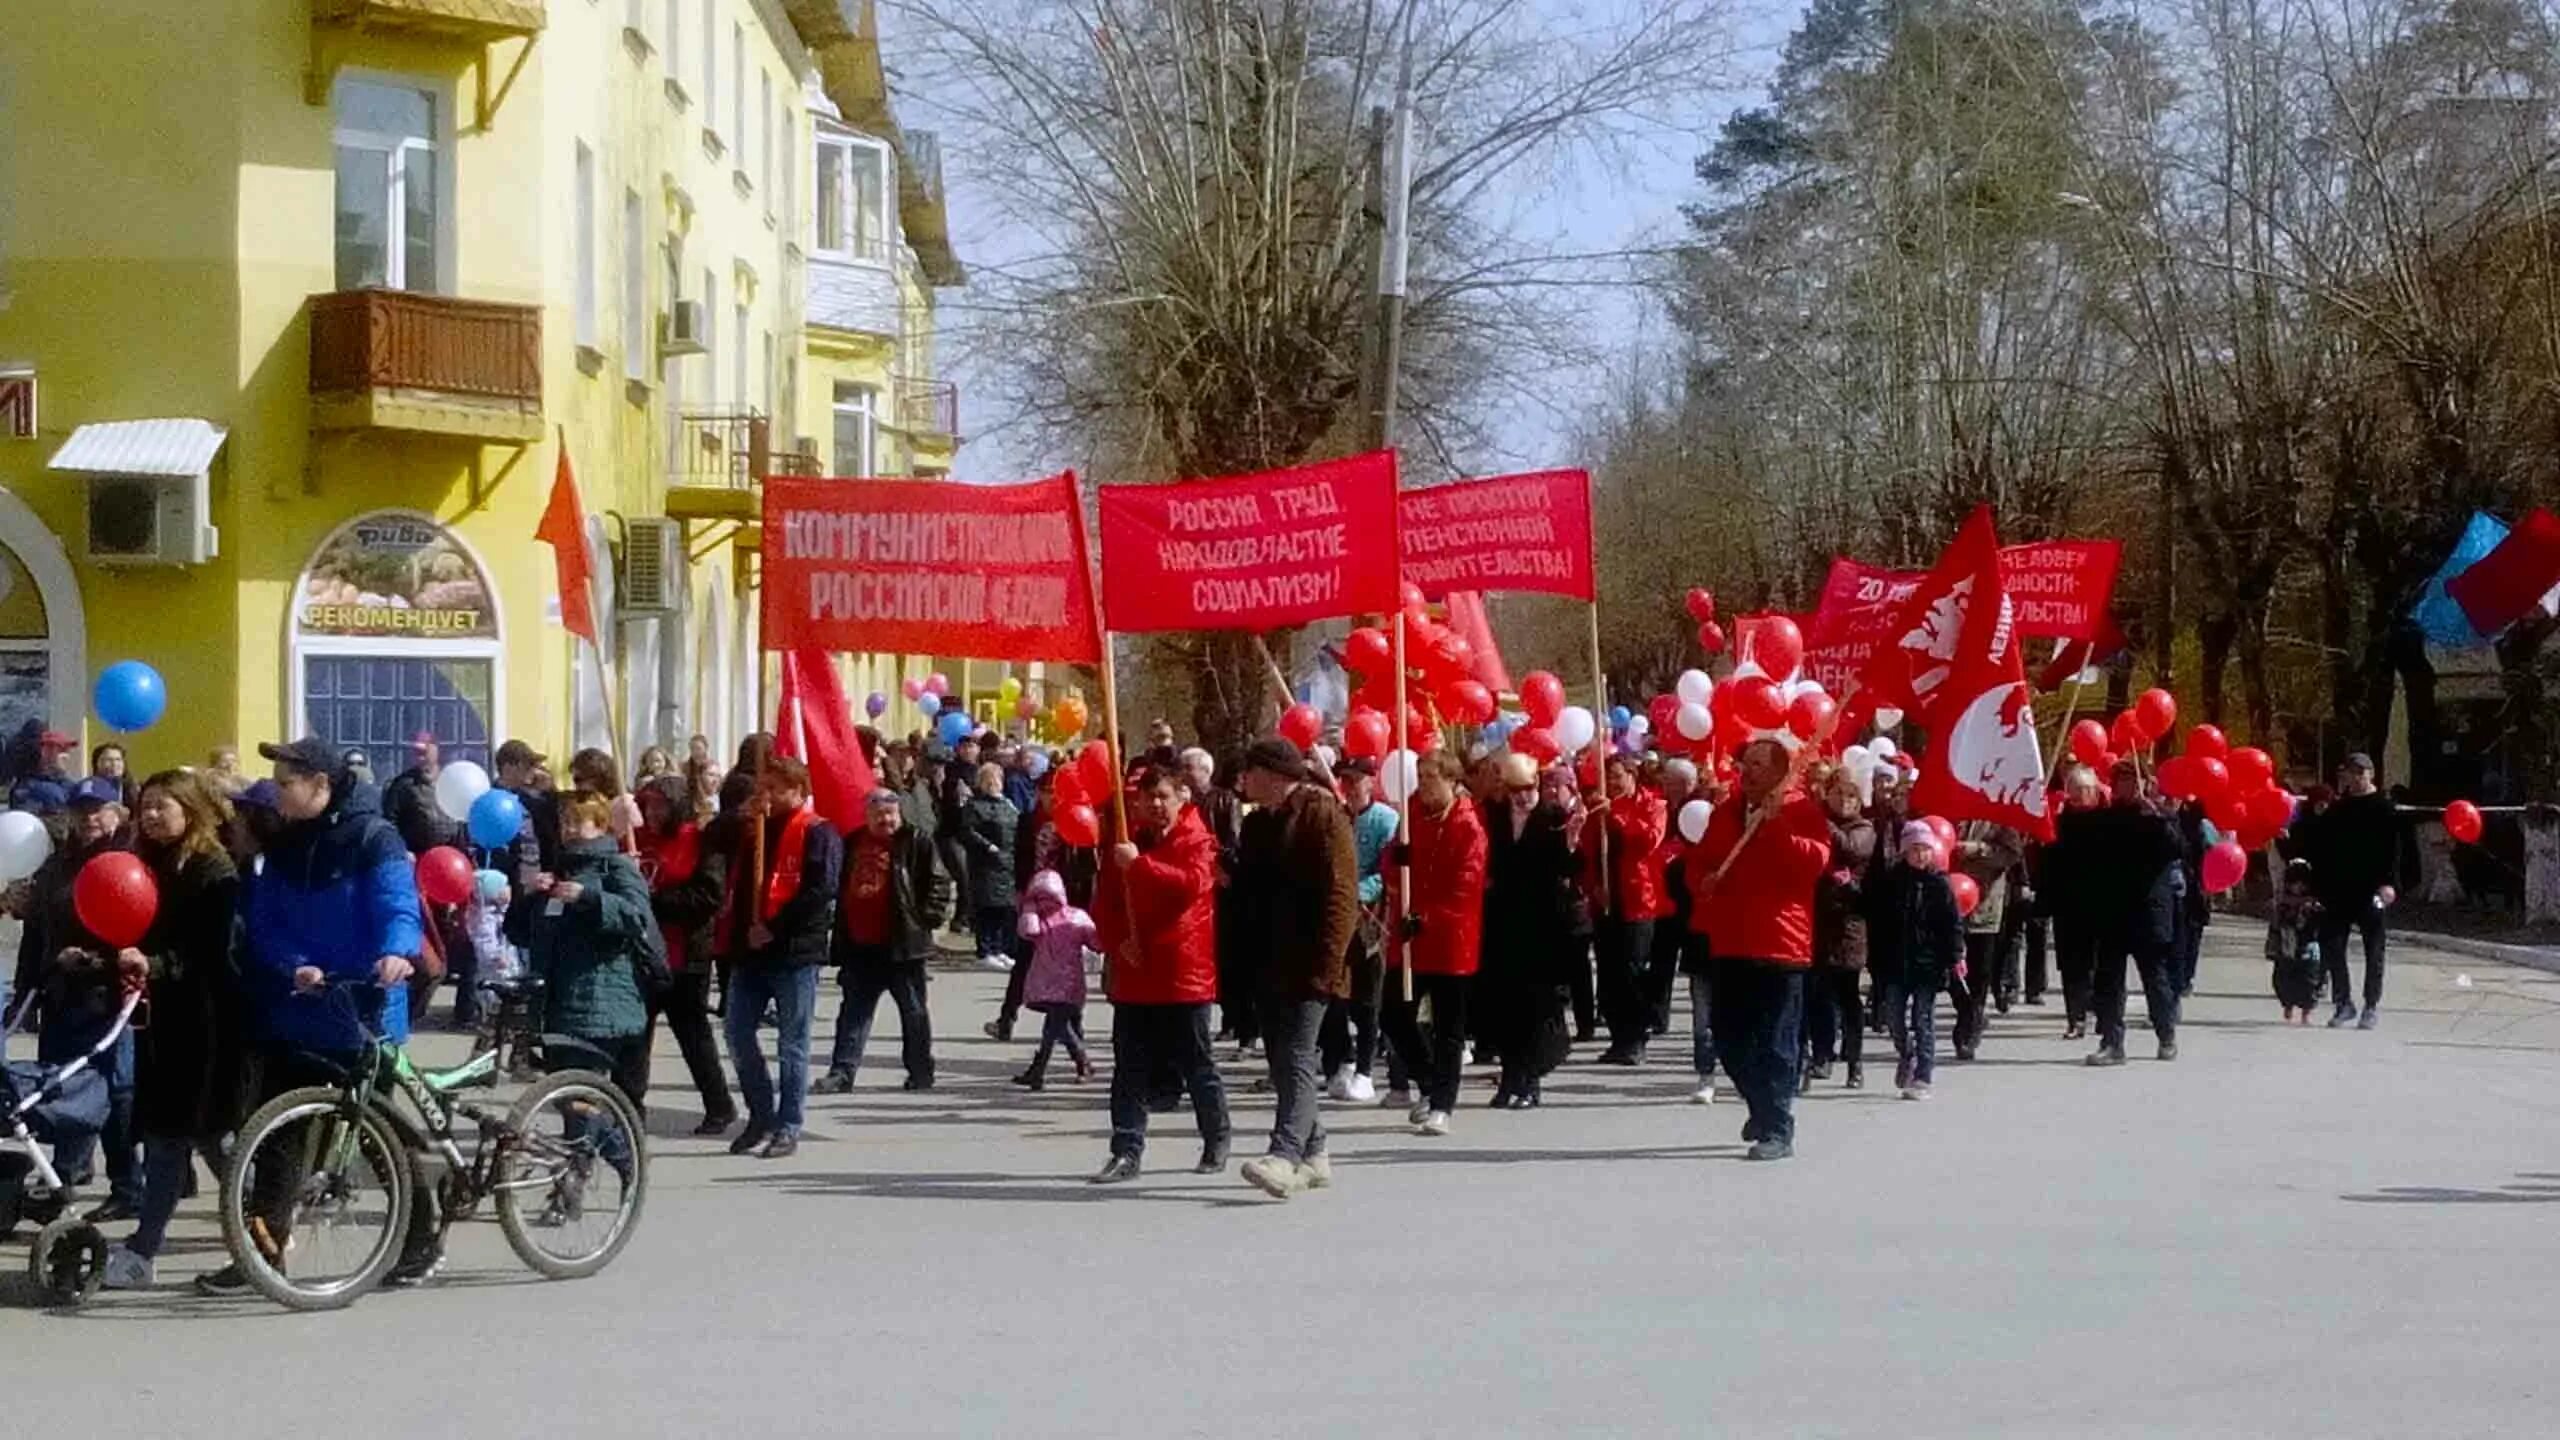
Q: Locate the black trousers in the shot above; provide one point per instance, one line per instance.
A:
(1437, 1059)
(1834, 1019)
(2011, 951)
(2038, 932)
(1671, 942)
(1981, 976)
(686, 1007)
(1759, 1030)
(2365, 920)
(864, 983)
(2154, 962)
(1350, 1031)
(1142, 1038)
(2075, 954)
(1625, 947)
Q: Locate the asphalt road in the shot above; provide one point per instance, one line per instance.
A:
(2283, 1233)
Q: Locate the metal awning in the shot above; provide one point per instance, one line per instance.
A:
(174, 448)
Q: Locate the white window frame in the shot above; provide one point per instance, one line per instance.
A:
(711, 338)
(738, 362)
(764, 152)
(788, 162)
(845, 151)
(738, 93)
(589, 302)
(865, 402)
(637, 341)
(442, 146)
(710, 67)
(492, 649)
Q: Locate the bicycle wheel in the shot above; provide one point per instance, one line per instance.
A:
(569, 1195)
(315, 1201)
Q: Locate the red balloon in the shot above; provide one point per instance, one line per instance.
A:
(1702, 605)
(1711, 638)
(1537, 742)
(1943, 828)
(1409, 600)
(1367, 734)
(2088, 742)
(2126, 735)
(1066, 788)
(1755, 701)
(1810, 714)
(1542, 695)
(1663, 710)
(2228, 811)
(2154, 711)
(2251, 769)
(115, 897)
(1078, 825)
(1300, 724)
(1368, 651)
(1968, 892)
(2207, 742)
(2462, 822)
(2223, 866)
(2269, 811)
(1776, 643)
(444, 875)
(2213, 777)
(1100, 770)
(2178, 777)
(1466, 701)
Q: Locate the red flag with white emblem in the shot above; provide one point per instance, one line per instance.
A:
(1968, 682)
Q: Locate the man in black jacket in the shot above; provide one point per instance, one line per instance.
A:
(892, 900)
(2124, 859)
(409, 801)
(779, 928)
(2354, 849)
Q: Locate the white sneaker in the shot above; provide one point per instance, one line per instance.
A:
(1317, 1171)
(128, 1271)
(1434, 1123)
(1917, 1090)
(1363, 1089)
(1274, 1176)
(1339, 1087)
(997, 963)
(1398, 1099)
(1705, 1094)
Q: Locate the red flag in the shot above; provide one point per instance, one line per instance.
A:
(564, 529)
(2511, 580)
(1251, 552)
(1960, 655)
(1467, 616)
(814, 725)
(1910, 671)
(2075, 656)
(1511, 532)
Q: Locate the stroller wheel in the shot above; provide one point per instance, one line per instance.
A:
(69, 1262)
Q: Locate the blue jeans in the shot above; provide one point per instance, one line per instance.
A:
(1911, 1017)
(165, 1162)
(793, 994)
(1759, 1030)
(1289, 1030)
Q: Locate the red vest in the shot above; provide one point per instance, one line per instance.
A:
(783, 881)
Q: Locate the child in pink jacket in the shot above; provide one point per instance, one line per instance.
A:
(1059, 934)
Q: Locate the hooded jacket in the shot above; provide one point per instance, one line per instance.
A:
(338, 891)
(585, 952)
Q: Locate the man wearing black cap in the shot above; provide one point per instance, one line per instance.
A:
(1297, 885)
(2354, 850)
(69, 974)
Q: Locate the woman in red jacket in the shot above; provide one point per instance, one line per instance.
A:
(1439, 936)
(1156, 906)
(1753, 876)
(1624, 905)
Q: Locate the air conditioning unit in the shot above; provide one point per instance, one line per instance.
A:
(653, 567)
(140, 520)
(680, 329)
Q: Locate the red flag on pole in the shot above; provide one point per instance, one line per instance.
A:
(564, 529)
(1967, 677)
(2508, 582)
(814, 725)
(1467, 616)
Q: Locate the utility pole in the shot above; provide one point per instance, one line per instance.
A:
(1391, 147)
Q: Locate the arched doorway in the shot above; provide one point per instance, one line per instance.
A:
(395, 633)
(44, 660)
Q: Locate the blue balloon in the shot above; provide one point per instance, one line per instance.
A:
(875, 705)
(953, 727)
(1619, 715)
(493, 883)
(929, 703)
(130, 696)
(496, 819)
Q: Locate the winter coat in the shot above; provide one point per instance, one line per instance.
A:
(1372, 831)
(2354, 850)
(1762, 906)
(586, 950)
(1990, 854)
(338, 891)
(1059, 934)
(687, 876)
(2107, 875)
(1839, 915)
(1636, 826)
(188, 1060)
(76, 994)
(409, 803)
(1914, 935)
(1162, 943)
(919, 899)
(1448, 857)
(1527, 898)
(1297, 891)
(986, 832)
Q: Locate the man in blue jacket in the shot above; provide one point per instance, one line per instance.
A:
(333, 901)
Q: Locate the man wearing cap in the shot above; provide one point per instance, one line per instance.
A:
(2354, 850)
(66, 972)
(891, 902)
(46, 789)
(518, 764)
(409, 801)
(1297, 885)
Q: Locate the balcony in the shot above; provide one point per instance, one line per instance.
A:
(720, 461)
(473, 25)
(929, 414)
(426, 364)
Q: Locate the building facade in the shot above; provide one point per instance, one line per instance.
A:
(303, 303)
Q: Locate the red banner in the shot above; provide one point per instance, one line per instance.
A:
(1855, 614)
(1512, 532)
(928, 567)
(2060, 588)
(1251, 552)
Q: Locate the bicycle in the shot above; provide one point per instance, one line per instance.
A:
(334, 1170)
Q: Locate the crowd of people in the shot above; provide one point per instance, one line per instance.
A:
(1277, 903)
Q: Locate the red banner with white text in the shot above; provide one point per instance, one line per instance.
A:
(1511, 532)
(2058, 589)
(1251, 552)
(928, 567)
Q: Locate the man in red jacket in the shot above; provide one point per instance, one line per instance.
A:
(1157, 910)
(1753, 877)
(1625, 900)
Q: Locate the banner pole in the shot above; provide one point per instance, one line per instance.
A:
(1120, 832)
(1404, 808)
(1600, 749)
(1279, 677)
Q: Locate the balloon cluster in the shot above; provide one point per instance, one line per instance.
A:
(1440, 687)
(1077, 788)
(1764, 697)
(2243, 801)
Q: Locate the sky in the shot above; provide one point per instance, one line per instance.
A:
(1624, 201)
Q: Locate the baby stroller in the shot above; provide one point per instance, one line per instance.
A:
(54, 1104)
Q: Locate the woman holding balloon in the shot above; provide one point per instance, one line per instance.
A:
(77, 919)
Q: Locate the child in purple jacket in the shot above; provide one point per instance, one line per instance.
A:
(1059, 934)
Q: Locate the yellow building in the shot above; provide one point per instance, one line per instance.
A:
(302, 300)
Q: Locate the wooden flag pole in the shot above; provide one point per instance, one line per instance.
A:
(1404, 807)
(1600, 751)
(1120, 832)
(1279, 677)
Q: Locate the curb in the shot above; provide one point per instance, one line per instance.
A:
(2545, 958)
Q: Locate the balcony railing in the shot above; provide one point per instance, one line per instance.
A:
(397, 340)
(929, 408)
(732, 450)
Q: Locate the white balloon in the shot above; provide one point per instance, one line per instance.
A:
(1858, 760)
(1397, 775)
(1883, 749)
(1639, 724)
(457, 786)
(1694, 721)
(1888, 717)
(1325, 756)
(1695, 687)
(1574, 728)
(1795, 688)
(24, 845)
(1747, 669)
(1693, 820)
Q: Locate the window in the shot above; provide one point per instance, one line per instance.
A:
(772, 400)
(710, 338)
(765, 152)
(853, 185)
(671, 367)
(388, 210)
(674, 37)
(857, 429)
(738, 363)
(585, 201)
(790, 168)
(738, 92)
(710, 65)
(635, 291)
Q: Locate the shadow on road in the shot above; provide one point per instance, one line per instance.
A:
(969, 1185)
(2531, 1188)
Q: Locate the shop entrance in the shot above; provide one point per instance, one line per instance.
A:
(395, 634)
